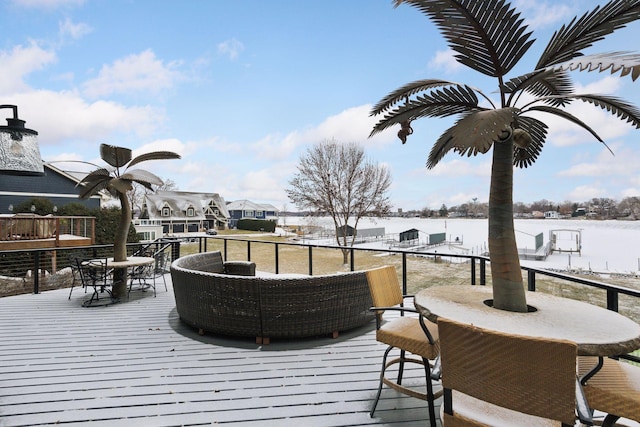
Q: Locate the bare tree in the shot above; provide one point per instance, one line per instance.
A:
(137, 194)
(630, 207)
(338, 180)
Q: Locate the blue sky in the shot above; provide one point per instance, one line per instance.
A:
(240, 89)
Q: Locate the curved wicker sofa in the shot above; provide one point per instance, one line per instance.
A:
(227, 298)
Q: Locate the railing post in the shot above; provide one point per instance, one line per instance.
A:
(36, 272)
(483, 272)
(404, 273)
(351, 254)
(310, 261)
(612, 300)
(531, 280)
(277, 258)
(248, 250)
(473, 272)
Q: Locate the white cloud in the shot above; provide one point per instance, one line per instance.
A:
(66, 116)
(351, 125)
(630, 192)
(461, 167)
(141, 72)
(540, 14)
(47, 4)
(75, 31)
(18, 63)
(587, 192)
(444, 60)
(623, 163)
(231, 48)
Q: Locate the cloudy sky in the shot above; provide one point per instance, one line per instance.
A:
(242, 88)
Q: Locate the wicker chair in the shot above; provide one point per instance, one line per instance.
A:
(411, 334)
(496, 379)
(614, 389)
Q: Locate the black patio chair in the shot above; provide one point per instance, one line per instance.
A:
(96, 274)
(146, 275)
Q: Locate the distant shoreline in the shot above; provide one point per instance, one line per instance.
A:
(607, 245)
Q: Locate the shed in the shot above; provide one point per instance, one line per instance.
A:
(351, 231)
(411, 234)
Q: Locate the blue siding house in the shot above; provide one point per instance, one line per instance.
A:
(245, 209)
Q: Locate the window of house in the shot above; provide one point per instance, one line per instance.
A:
(166, 211)
(259, 214)
(249, 214)
(191, 211)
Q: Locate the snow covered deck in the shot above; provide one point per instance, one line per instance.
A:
(135, 363)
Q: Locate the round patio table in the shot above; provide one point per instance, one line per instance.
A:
(132, 261)
(596, 330)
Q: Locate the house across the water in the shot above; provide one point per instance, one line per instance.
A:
(184, 212)
(245, 209)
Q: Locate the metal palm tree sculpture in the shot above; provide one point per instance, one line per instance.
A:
(488, 36)
(118, 181)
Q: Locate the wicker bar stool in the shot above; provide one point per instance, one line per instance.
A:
(414, 334)
(495, 379)
(614, 389)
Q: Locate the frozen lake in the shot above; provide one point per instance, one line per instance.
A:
(607, 246)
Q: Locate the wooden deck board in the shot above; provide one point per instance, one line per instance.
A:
(135, 363)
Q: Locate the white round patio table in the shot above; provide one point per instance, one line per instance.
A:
(132, 261)
(596, 330)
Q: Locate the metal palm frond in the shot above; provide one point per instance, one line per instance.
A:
(568, 116)
(542, 83)
(488, 35)
(120, 185)
(143, 177)
(474, 133)
(623, 62)
(405, 92)
(525, 155)
(115, 156)
(444, 102)
(155, 155)
(94, 182)
(615, 106)
(568, 42)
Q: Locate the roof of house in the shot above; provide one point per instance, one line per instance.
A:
(180, 201)
(247, 205)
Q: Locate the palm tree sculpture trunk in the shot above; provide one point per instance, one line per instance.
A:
(508, 290)
(120, 247)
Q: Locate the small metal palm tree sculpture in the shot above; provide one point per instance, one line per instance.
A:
(488, 36)
(118, 181)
